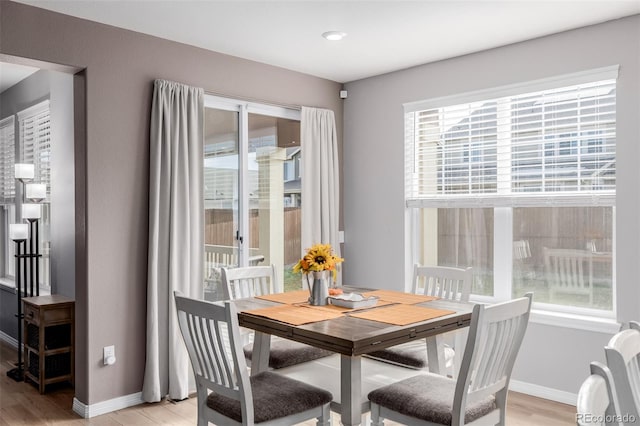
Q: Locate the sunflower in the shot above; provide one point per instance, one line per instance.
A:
(320, 257)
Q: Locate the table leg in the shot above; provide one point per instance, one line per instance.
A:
(260, 354)
(351, 389)
(435, 356)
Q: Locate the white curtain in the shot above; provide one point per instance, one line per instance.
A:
(320, 179)
(176, 221)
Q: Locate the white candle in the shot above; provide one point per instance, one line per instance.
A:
(24, 171)
(36, 191)
(31, 211)
(18, 231)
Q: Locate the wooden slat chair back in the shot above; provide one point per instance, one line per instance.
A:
(569, 271)
(444, 282)
(521, 250)
(598, 399)
(623, 359)
(255, 281)
(491, 352)
(479, 394)
(215, 258)
(249, 281)
(211, 335)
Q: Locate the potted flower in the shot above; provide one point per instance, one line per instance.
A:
(320, 261)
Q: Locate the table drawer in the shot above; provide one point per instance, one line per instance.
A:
(49, 316)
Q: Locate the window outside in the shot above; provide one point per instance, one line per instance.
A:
(251, 192)
(521, 188)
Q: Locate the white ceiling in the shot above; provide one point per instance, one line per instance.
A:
(383, 36)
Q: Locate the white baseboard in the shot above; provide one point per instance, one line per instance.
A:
(104, 407)
(543, 392)
(10, 340)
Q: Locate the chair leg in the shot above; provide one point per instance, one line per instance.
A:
(376, 420)
(325, 418)
(202, 421)
(501, 403)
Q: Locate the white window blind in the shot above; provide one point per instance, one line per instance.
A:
(35, 141)
(7, 161)
(555, 145)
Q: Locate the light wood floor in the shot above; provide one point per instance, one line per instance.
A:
(21, 404)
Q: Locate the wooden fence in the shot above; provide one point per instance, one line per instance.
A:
(220, 230)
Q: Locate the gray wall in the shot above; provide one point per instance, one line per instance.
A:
(553, 357)
(56, 87)
(113, 165)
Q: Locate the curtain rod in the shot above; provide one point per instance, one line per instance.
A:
(253, 100)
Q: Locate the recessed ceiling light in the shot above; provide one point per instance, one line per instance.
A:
(334, 35)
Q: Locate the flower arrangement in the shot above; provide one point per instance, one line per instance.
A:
(320, 257)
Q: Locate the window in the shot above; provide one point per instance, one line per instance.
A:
(7, 194)
(35, 141)
(35, 148)
(7, 160)
(519, 182)
(252, 190)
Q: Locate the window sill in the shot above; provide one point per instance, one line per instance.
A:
(579, 322)
(598, 322)
(7, 285)
(10, 286)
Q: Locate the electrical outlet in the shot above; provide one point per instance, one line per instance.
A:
(109, 355)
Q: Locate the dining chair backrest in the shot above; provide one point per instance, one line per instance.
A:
(249, 281)
(444, 282)
(623, 359)
(569, 271)
(634, 325)
(521, 250)
(495, 336)
(210, 332)
(597, 398)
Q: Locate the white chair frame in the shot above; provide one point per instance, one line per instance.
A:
(569, 271)
(495, 335)
(250, 281)
(446, 283)
(211, 335)
(597, 398)
(623, 359)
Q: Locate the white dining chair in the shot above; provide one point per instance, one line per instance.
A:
(479, 394)
(226, 394)
(446, 283)
(252, 281)
(623, 359)
(597, 399)
(569, 271)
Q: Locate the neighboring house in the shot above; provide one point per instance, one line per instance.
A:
(292, 182)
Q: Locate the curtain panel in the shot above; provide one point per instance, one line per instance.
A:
(320, 180)
(176, 222)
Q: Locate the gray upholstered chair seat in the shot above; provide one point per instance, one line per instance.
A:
(428, 397)
(411, 355)
(274, 396)
(285, 353)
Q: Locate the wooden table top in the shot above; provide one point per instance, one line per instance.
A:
(354, 336)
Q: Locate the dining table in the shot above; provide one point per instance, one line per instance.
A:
(396, 318)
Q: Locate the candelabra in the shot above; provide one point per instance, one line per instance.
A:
(19, 233)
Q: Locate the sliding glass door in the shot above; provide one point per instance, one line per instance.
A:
(252, 189)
